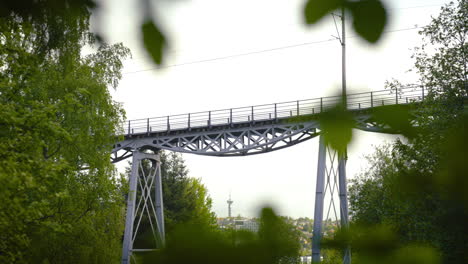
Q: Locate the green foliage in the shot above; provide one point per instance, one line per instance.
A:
(369, 16)
(60, 202)
(380, 244)
(401, 192)
(314, 10)
(280, 238)
(397, 118)
(185, 199)
(154, 41)
(411, 205)
(275, 243)
(441, 61)
(336, 125)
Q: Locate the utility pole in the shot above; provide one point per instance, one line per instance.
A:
(343, 57)
(324, 171)
(343, 156)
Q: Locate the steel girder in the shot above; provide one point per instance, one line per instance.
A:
(244, 139)
(223, 141)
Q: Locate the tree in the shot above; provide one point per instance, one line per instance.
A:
(280, 238)
(417, 189)
(60, 202)
(185, 199)
(441, 61)
(275, 243)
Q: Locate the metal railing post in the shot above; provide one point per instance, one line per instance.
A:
(252, 114)
(297, 104)
(147, 126)
(276, 114)
(168, 124)
(396, 96)
(230, 116)
(129, 127)
(209, 118)
(188, 122)
(371, 99)
(321, 104)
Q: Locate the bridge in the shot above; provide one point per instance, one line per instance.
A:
(238, 132)
(253, 129)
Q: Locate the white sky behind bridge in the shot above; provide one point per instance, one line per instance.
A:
(205, 30)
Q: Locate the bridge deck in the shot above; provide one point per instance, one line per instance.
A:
(253, 129)
(263, 113)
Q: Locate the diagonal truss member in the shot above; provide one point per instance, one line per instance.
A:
(331, 183)
(145, 213)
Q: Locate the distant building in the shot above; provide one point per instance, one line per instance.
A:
(225, 223)
(246, 224)
(306, 259)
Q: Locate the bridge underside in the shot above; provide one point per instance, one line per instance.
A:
(237, 140)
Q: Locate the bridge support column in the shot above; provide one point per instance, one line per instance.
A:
(343, 193)
(319, 193)
(330, 184)
(144, 206)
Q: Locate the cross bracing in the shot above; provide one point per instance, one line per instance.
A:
(254, 129)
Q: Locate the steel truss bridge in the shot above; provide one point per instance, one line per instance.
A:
(239, 132)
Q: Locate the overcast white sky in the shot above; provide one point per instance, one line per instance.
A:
(208, 29)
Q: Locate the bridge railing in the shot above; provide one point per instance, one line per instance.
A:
(272, 111)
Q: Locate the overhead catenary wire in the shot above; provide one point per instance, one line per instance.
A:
(388, 10)
(233, 55)
(258, 52)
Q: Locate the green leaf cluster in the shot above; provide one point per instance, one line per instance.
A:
(186, 199)
(410, 206)
(414, 193)
(369, 16)
(336, 125)
(276, 242)
(59, 202)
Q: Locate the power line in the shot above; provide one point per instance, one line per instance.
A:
(390, 9)
(413, 7)
(233, 56)
(258, 52)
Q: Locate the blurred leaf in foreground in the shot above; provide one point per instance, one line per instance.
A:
(314, 10)
(191, 243)
(154, 41)
(381, 244)
(369, 16)
(336, 125)
(397, 118)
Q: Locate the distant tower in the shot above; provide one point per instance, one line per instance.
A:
(229, 205)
